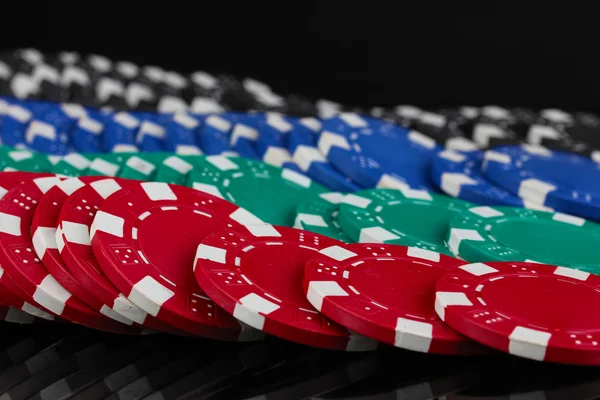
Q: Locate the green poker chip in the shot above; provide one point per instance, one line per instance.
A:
(23, 160)
(74, 164)
(405, 217)
(174, 169)
(142, 166)
(319, 215)
(485, 233)
(271, 193)
(107, 164)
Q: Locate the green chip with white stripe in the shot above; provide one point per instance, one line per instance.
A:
(74, 164)
(485, 233)
(142, 166)
(319, 215)
(24, 160)
(174, 169)
(271, 193)
(405, 217)
(107, 164)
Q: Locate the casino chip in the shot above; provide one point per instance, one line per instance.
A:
(481, 234)
(561, 181)
(345, 284)
(144, 238)
(459, 175)
(73, 241)
(270, 193)
(25, 268)
(319, 215)
(375, 153)
(406, 217)
(175, 169)
(254, 272)
(142, 166)
(549, 316)
(43, 227)
(302, 144)
(23, 160)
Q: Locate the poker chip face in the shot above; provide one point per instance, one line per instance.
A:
(145, 238)
(43, 229)
(319, 215)
(73, 241)
(485, 233)
(374, 153)
(405, 217)
(237, 180)
(557, 180)
(549, 316)
(254, 272)
(385, 292)
(459, 175)
(24, 266)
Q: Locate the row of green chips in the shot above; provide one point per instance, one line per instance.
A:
(454, 227)
(405, 217)
(269, 192)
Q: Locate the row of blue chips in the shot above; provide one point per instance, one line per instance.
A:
(346, 152)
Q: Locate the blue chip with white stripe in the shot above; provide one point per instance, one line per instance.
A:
(14, 124)
(565, 182)
(151, 133)
(86, 135)
(459, 175)
(214, 136)
(120, 133)
(181, 133)
(376, 153)
(272, 142)
(244, 135)
(303, 147)
(47, 131)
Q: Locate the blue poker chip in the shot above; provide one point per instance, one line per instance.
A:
(47, 131)
(152, 131)
(302, 145)
(562, 181)
(376, 153)
(182, 132)
(459, 175)
(120, 133)
(243, 137)
(15, 123)
(86, 135)
(214, 137)
(272, 142)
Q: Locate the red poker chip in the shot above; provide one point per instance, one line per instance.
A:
(43, 229)
(537, 311)
(73, 242)
(145, 238)
(385, 292)
(255, 272)
(24, 267)
(10, 293)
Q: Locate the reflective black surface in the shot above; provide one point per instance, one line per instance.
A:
(55, 361)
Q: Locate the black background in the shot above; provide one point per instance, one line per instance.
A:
(387, 53)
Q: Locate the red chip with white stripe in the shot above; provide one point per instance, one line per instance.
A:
(145, 238)
(43, 229)
(385, 292)
(24, 267)
(73, 243)
(537, 311)
(255, 272)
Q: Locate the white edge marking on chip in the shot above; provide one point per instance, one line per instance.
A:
(568, 219)
(263, 230)
(76, 233)
(106, 187)
(211, 253)
(376, 234)
(108, 223)
(245, 217)
(309, 220)
(447, 299)
(572, 273)
(356, 201)
(318, 290)
(327, 140)
(535, 190)
(69, 186)
(456, 236)
(222, 163)
(44, 238)
(528, 343)
(486, 212)
(413, 335)
(452, 183)
(423, 254)
(333, 197)
(296, 178)
(478, 269)
(337, 253)
(252, 308)
(47, 183)
(157, 191)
